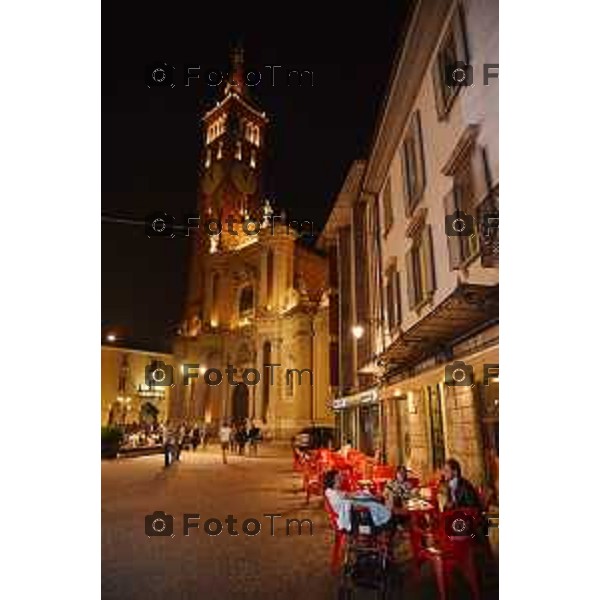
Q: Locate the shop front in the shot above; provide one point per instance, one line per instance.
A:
(359, 420)
(448, 409)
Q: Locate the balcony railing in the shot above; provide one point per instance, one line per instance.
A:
(488, 225)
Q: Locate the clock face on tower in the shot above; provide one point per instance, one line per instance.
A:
(212, 178)
(244, 178)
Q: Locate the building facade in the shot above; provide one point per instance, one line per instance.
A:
(350, 240)
(257, 292)
(429, 200)
(126, 398)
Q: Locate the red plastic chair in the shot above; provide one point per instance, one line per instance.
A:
(381, 475)
(349, 480)
(444, 553)
(312, 479)
(384, 472)
(339, 539)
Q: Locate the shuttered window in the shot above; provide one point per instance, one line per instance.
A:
(453, 49)
(420, 268)
(392, 298)
(391, 310)
(388, 213)
(413, 164)
(469, 189)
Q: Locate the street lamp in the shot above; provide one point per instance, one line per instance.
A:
(358, 331)
(111, 337)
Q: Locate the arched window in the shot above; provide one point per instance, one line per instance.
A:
(246, 300)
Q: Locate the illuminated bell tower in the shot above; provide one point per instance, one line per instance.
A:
(230, 175)
(232, 156)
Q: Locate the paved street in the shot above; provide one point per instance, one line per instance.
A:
(223, 566)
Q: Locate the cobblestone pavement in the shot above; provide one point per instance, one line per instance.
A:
(225, 567)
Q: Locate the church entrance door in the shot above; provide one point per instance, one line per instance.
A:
(240, 401)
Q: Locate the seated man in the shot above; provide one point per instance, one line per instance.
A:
(461, 492)
(341, 503)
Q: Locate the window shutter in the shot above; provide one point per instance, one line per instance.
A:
(407, 206)
(460, 35)
(454, 248)
(398, 298)
(388, 215)
(410, 274)
(390, 305)
(438, 82)
(427, 246)
(418, 133)
(479, 175)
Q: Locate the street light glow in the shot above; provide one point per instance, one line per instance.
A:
(358, 331)
(111, 337)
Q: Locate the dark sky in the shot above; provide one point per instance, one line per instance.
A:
(150, 139)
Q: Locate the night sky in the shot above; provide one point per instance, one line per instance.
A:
(150, 140)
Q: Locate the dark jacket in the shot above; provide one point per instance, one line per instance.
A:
(464, 496)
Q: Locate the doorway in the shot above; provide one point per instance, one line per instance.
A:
(438, 449)
(240, 402)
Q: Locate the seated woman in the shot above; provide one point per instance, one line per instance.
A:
(341, 503)
(398, 490)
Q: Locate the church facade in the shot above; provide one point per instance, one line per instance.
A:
(257, 297)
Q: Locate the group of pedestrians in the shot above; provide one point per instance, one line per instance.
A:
(177, 438)
(235, 435)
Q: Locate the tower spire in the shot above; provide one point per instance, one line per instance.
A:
(236, 77)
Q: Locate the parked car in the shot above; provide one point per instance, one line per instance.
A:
(314, 437)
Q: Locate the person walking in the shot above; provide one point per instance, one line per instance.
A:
(254, 438)
(169, 448)
(205, 434)
(241, 437)
(195, 437)
(232, 436)
(225, 438)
